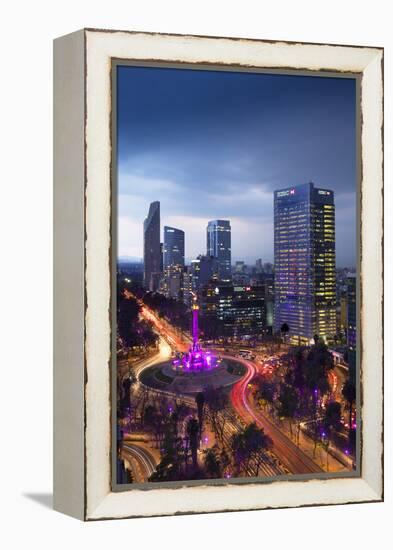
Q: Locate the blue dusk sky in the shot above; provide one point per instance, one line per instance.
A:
(214, 144)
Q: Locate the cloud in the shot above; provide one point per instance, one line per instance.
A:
(130, 237)
(135, 183)
(216, 145)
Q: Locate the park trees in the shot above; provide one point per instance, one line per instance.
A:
(312, 381)
(192, 431)
(217, 403)
(266, 392)
(248, 448)
(288, 399)
(331, 422)
(349, 394)
(213, 462)
(200, 402)
(132, 331)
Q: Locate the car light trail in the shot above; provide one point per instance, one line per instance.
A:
(293, 458)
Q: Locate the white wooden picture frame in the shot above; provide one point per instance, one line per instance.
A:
(82, 271)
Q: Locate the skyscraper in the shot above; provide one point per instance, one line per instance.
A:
(173, 247)
(304, 262)
(152, 247)
(219, 246)
(173, 262)
(187, 288)
(162, 257)
(171, 283)
(259, 265)
(203, 270)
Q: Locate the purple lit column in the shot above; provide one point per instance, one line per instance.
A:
(195, 324)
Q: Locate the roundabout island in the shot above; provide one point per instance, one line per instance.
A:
(194, 371)
(166, 378)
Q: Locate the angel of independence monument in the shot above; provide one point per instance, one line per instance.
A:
(196, 359)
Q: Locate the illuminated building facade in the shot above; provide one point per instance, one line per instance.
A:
(304, 262)
(171, 282)
(203, 270)
(219, 247)
(186, 286)
(173, 262)
(268, 282)
(152, 248)
(343, 314)
(240, 309)
(173, 247)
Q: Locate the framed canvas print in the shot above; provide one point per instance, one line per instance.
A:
(218, 274)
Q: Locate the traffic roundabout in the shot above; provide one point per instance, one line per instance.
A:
(167, 377)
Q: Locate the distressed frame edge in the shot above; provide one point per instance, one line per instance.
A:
(69, 489)
(376, 493)
(115, 64)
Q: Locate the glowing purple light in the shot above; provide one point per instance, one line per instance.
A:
(196, 359)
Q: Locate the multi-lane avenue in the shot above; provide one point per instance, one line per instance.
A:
(293, 458)
(144, 459)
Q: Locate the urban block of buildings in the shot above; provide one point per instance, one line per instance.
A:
(299, 292)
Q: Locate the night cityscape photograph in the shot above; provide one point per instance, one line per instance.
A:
(236, 275)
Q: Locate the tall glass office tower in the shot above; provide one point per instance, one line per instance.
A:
(152, 247)
(305, 262)
(173, 247)
(219, 246)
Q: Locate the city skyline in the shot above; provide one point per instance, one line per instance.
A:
(229, 366)
(195, 141)
(187, 259)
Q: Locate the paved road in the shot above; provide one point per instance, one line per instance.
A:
(293, 458)
(174, 338)
(270, 466)
(164, 353)
(143, 457)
